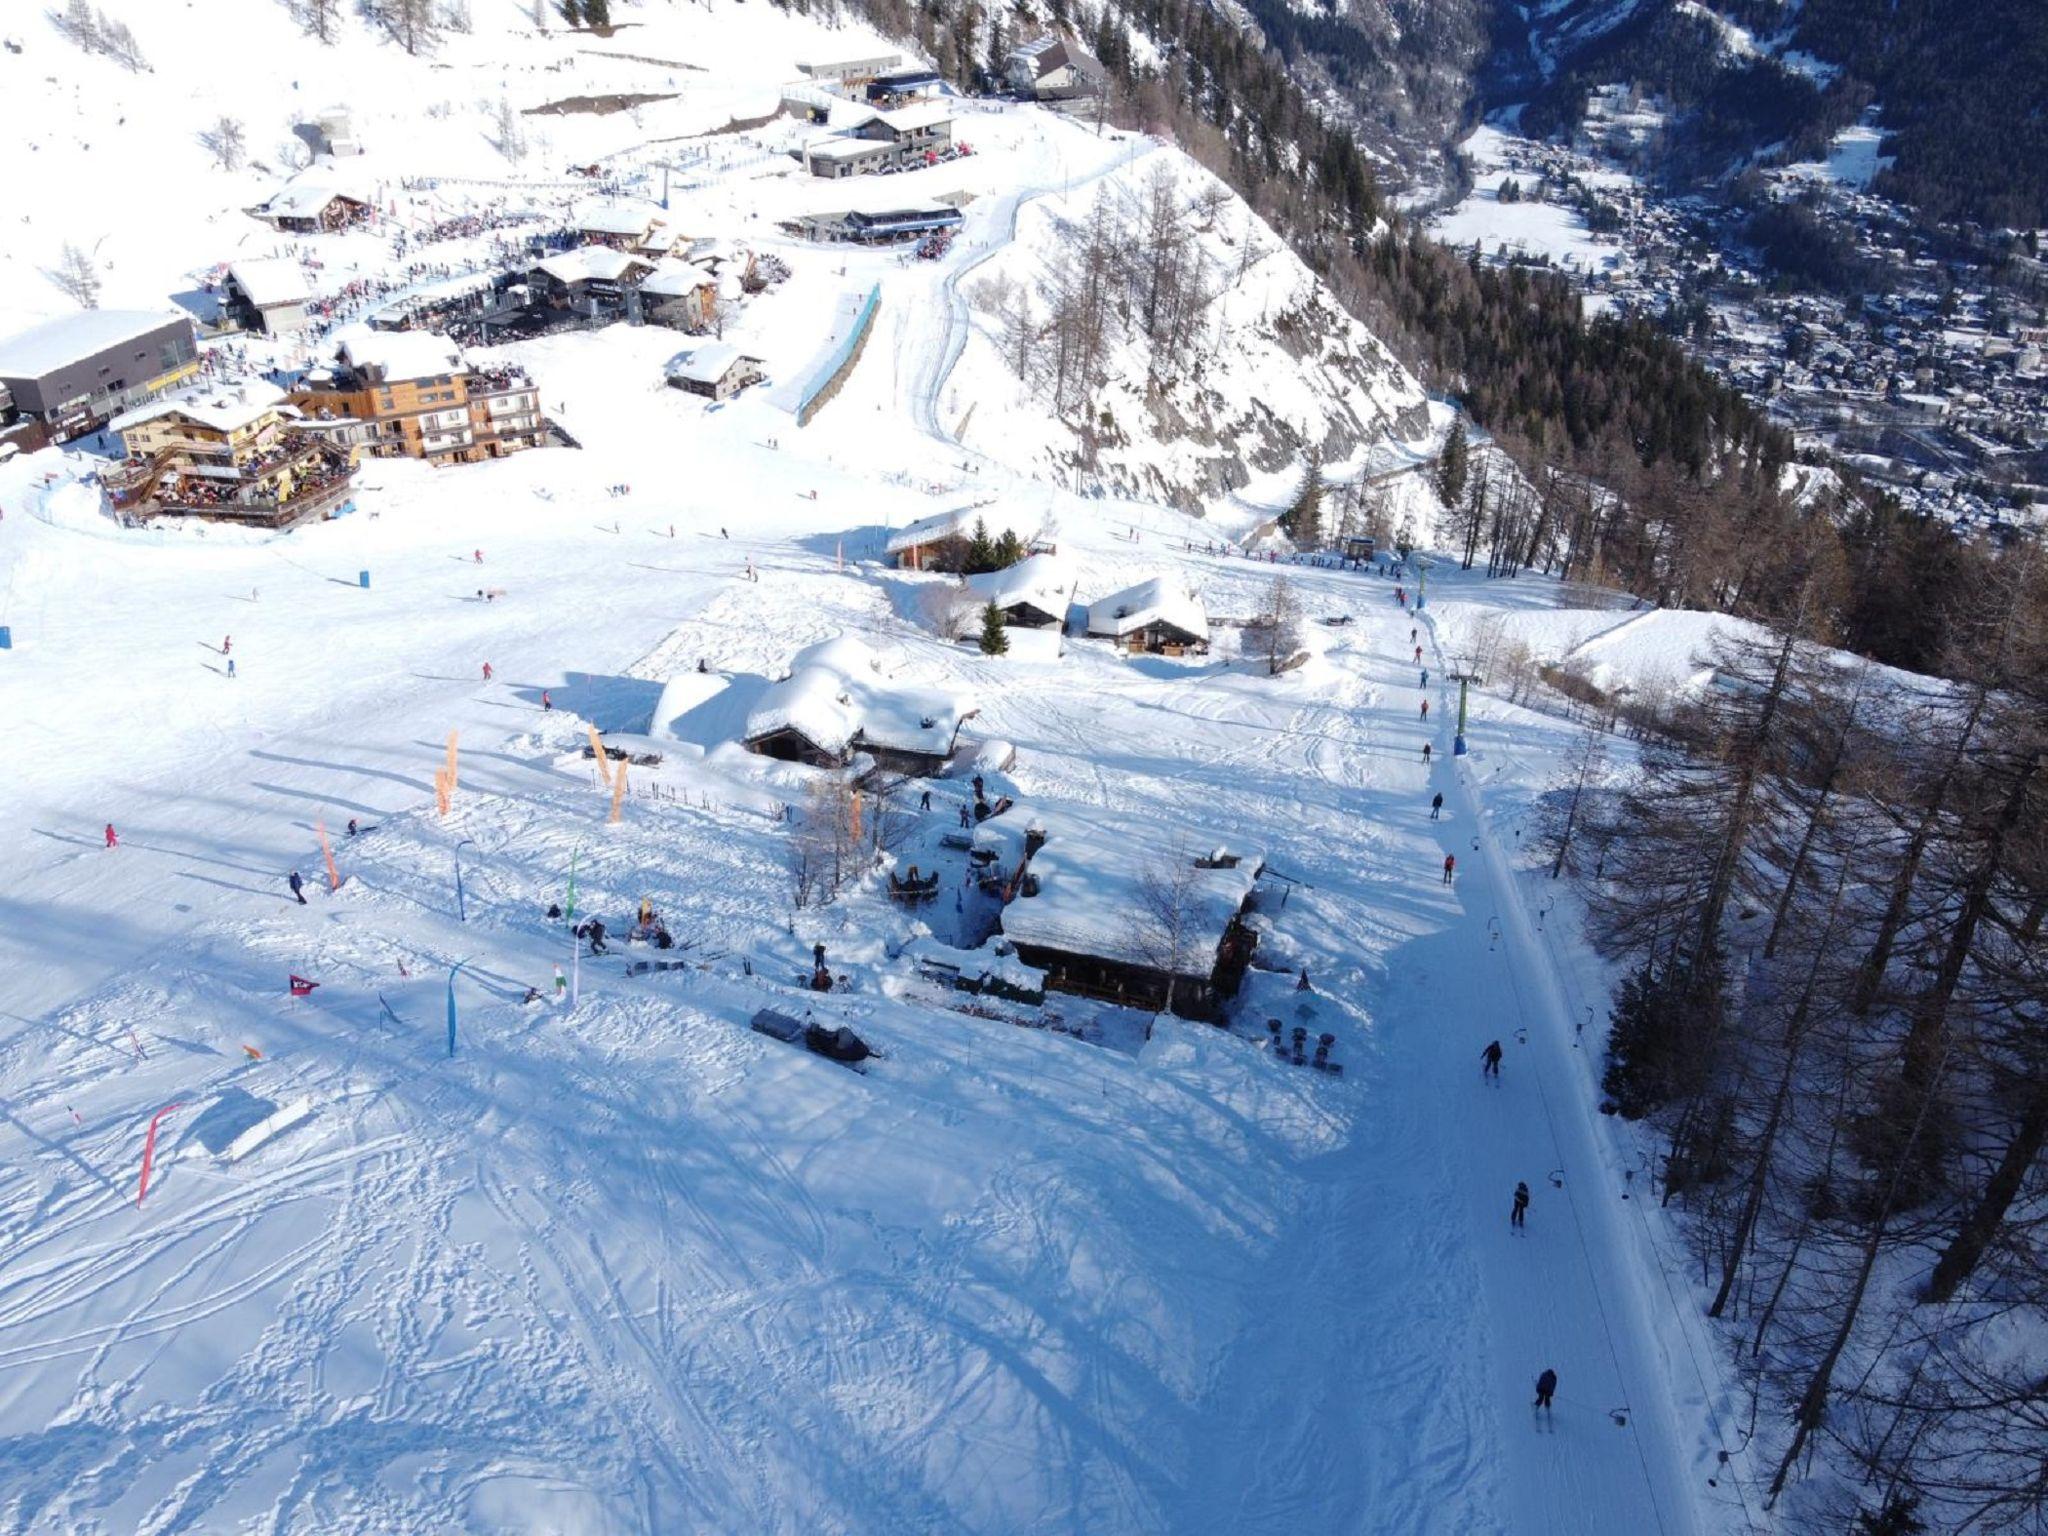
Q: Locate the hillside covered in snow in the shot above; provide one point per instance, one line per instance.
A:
(701, 859)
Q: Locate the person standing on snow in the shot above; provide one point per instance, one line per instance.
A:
(1425, 754)
(298, 887)
(1418, 655)
(227, 644)
(1521, 1205)
(479, 557)
(546, 700)
(1490, 1056)
(1546, 1385)
(231, 666)
(487, 671)
(112, 840)
(1450, 866)
(1425, 709)
(1436, 807)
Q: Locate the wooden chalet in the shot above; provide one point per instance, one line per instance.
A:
(1032, 594)
(835, 706)
(1082, 914)
(1159, 616)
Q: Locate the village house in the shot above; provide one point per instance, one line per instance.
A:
(226, 452)
(591, 280)
(622, 226)
(836, 157)
(901, 85)
(1106, 916)
(316, 201)
(886, 140)
(915, 131)
(680, 296)
(1046, 68)
(723, 258)
(410, 394)
(835, 705)
(1158, 615)
(716, 370)
(67, 376)
(943, 541)
(852, 69)
(267, 294)
(1032, 594)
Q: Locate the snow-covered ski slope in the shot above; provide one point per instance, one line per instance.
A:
(621, 1265)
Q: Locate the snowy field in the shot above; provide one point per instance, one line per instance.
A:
(1530, 228)
(618, 1263)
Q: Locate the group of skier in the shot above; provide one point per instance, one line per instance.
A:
(1490, 1057)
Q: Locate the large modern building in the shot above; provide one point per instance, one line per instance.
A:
(410, 394)
(226, 452)
(72, 374)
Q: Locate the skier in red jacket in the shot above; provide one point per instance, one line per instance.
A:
(112, 840)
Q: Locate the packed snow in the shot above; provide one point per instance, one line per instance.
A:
(487, 1231)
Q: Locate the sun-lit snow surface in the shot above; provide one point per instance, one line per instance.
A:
(623, 1265)
(1530, 228)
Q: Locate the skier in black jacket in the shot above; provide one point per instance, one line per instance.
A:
(1546, 1384)
(298, 888)
(1491, 1056)
(1521, 1205)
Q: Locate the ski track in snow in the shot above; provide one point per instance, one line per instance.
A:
(625, 1266)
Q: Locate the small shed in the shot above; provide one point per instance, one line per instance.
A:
(1159, 615)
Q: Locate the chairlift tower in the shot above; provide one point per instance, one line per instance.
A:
(1464, 680)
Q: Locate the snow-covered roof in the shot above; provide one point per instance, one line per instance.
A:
(836, 698)
(598, 262)
(1093, 877)
(1159, 600)
(392, 357)
(47, 347)
(1027, 522)
(673, 279)
(715, 250)
(616, 218)
(1043, 581)
(1043, 54)
(310, 191)
(705, 708)
(223, 407)
(707, 364)
(911, 119)
(271, 280)
(836, 148)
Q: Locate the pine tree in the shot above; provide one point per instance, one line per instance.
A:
(1009, 549)
(572, 12)
(597, 13)
(1654, 1040)
(981, 550)
(1453, 467)
(1303, 521)
(994, 642)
